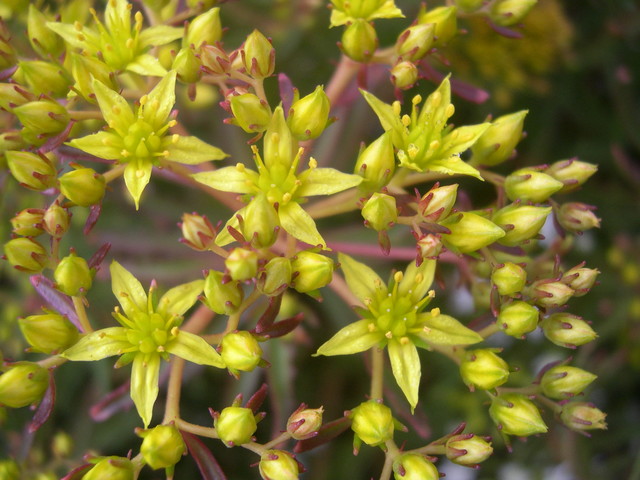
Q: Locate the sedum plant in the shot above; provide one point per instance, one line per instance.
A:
(92, 102)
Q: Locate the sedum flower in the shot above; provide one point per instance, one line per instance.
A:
(348, 11)
(394, 317)
(121, 45)
(140, 139)
(149, 332)
(423, 139)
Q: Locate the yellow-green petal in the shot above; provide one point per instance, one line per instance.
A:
(444, 330)
(115, 109)
(363, 282)
(98, 345)
(105, 145)
(192, 151)
(146, 64)
(228, 179)
(144, 384)
(128, 290)
(159, 101)
(405, 365)
(354, 338)
(195, 349)
(180, 299)
(137, 174)
(299, 224)
(325, 181)
(159, 35)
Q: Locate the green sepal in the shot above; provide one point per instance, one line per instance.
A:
(224, 237)
(192, 151)
(144, 384)
(299, 224)
(115, 109)
(146, 64)
(354, 338)
(180, 299)
(445, 330)
(103, 144)
(193, 348)
(228, 179)
(159, 35)
(325, 181)
(363, 282)
(98, 345)
(128, 290)
(137, 174)
(405, 364)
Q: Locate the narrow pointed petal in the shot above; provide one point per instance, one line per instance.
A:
(195, 349)
(144, 384)
(388, 118)
(115, 109)
(417, 280)
(354, 338)
(159, 35)
(146, 64)
(160, 100)
(299, 224)
(363, 282)
(105, 145)
(326, 181)
(128, 290)
(445, 330)
(405, 364)
(98, 345)
(137, 174)
(192, 151)
(180, 299)
(228, 179)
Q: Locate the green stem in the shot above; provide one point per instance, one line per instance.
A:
(52, 362)
(172, 408)
(342, 202)
(79, 115)
(489, 330)
(392, 452)
(78, 304)
(115, 172)
(377, 373)
(199, 430)
(283, 437)
(254, 447)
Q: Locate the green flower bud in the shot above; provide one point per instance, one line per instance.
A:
(23, 384)
(509, 278)
(43, 78)
(261, 223)
(429, 246)
(250, 113)
(416, 41)
(520, 222)
(162, 446)
(26, 255)
(372, 422)
(197, 232)
(48, 333)
(187, 65)
(572, 173)
(223, 297)
(580, 279)
(311, 271)
(551, 293)
(376, 163)
(12, 95)
(469, 6)
(62, 445)
(380, 211)
(258, 55)
(563, 381)
(309, 115)
(518, 318)
(8, 56)
(9, 469)
(240, 351)
(305, 422)
(83, 186)
(359, 41)
(235, 426)
(445, 20)
(215, 60)
(437, 203)
(483, 369)
(531, 185)
(577, 217)
(404, 75)
(581, 416)
(242, 264)
(498, 142)
(205, 28)
(276, 276)
(56, 220)
(28, 222)
(111, 468)
(515, 414)
(36, 172)
(42, 39)
(468, 449)
(566, 330)
(412, 466)
(278, 465)
(73, 276)
(469, 232)
(509, 12)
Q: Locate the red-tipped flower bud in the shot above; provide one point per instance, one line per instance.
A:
(509, 278)
(36, 172)
(242, 264)
(25, 254)
(197, 231)
(566, 330)
(73, 275)
(235, 425)
(468, 449)
(48, 333)
(162, 446)
(278, 465)
(312, 271)
(359, 41)
(28, 222)
(240, 351)
(83, 186)
(223, 297)
(515, 414)
(309, 115)
(412, 466)
(582, 416)
(484, 369)
(23, 384)
(563, 381)
(305, 422)
(372, 422)
(518, 318)
(531, 185)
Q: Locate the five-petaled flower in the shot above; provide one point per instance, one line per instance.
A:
(149, 332)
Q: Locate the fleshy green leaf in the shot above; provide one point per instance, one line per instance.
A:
(299, 224)
(325, 181)
(363, 282)
(353, 338)
(159, 35)
(105, 145)
(444, 330)
(98, 345)
(144, 384)
(128, 290)
(137, 174)
(195, 349)
(160, 100)
(228, 179)
(146, 64)
(115, 109)
(181, 298)
(192, 151)
(405, 364)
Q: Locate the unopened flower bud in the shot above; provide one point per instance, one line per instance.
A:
(469, 6)
(312, 271)
(276, 276)
(309, 115)
(566, 330)
(437, 203)
(261, 223)
(551, 293)
(572, 173)
(497, 143)
(580, 279)
(240, 351)
(242, 264)
(404, 75)
(582, 416)
(34, 171)
(220, 296)
(411, 466)
(12, 95)
(48, 333)
(531, 185)
(73, 276)
(197, 231)
(205, 28)
(258, 55)
(429, 246)
(305, 422)
(187, 65)
(162, 446)
(445, 21)
(416, 41)
(509, 278)
(515, 414)
(62, 445)
(520, 222)
(26, 255)
(43, 78)
(9, 469)
(215, 59)
(112, 468)
(278, 465)
(376, 163)
(83, 186)
(468, 449)
(372, 422)
(235, 425)
(563, 381)
(483, 369)
(42, 39)
(8, 56)
(380, 211)
(201, 3)
(470, 232)
(518, 318)
(577, 217)
(23, 384)
(56, 220)
(250, 113)
(28, 222)
(359, 41)
(509, 12)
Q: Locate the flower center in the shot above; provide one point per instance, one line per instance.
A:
(141, 140)
(150, 333)
(396, 316)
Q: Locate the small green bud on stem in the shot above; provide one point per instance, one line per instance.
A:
(566, 330)
(23, 384)
(468, 449)
(162, 446)
(484, 369)
(412, 466)
(518, 318)
(563, 381)
(48, 333)
(278, 465)
(515, 414)
(235, 425)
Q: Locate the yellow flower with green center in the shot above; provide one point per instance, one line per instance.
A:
(140, 139)
(149, 333)
(394, 317)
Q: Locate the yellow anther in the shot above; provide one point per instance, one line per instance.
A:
(175, 138)
(426, 329)
(406, 120)
(286, 198)
(389, 335)
(172, 123)
(129, 43)
(77, 25)
(435, 312)
(417, 99)
(404, 340)
(165, 154)
(124, 153)
(412, 151)
(175, 331)
(160, 349)
(313, 163)
(396, 108)
(140, 173)
(372, 327)
(434, 145)
(449, 110)
(240, 167)
(143, 98)
(398, 276)
(431, 293)
(254, 149)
